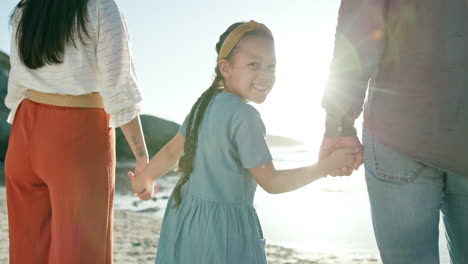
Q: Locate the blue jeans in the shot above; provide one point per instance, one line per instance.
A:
(406, 197)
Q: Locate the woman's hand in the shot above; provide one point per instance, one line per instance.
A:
(141, 165)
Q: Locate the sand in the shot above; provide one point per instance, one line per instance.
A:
(136, 239)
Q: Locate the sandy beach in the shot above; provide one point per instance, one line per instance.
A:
(133, 244)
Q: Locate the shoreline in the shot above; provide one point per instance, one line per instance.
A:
(138, 245)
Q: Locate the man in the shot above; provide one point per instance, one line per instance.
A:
(411, 57)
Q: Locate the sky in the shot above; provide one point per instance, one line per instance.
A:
(173, 49)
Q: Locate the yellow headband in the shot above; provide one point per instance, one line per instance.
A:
(236, 35)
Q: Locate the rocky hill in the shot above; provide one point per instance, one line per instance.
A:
(4, 126)
(157, 133)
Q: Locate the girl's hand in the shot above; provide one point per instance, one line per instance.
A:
(142, 186)
(341, 158)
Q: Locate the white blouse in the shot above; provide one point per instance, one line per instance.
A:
(103, 63)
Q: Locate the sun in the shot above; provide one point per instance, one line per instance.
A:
(293, 107)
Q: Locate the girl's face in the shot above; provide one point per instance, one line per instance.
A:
(250, 73)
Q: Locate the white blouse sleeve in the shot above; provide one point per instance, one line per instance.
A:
(16, 93)
(118, 84)
(124, 116)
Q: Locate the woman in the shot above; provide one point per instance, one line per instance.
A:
(71, 82)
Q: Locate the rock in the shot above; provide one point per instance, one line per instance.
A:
(2, 173)
(4, 126)
(149, 210)
(4, 61)
(136, 244)
(280, 141)
(157, 133)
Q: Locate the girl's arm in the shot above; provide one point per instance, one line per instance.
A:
(136, 141)
(280, 181)
(165, 160)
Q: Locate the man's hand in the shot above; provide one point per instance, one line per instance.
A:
(330, 144)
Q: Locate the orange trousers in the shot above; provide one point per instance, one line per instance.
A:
(59, 173)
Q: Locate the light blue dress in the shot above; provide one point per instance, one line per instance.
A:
(216, 222)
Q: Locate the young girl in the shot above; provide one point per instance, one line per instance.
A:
(222, 155)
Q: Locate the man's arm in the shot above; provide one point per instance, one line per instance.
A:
(359, 42)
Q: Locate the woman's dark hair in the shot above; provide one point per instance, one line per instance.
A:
(46, 27)
(196, 116)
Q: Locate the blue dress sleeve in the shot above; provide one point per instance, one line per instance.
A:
(183, 127)
(250, 138)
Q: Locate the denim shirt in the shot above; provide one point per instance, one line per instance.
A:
(411, 59)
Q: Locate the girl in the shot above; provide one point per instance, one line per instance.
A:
(71, 82)
(222, 155)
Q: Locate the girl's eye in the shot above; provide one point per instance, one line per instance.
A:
(254, 64)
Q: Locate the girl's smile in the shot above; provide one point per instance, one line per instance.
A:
(250, 73)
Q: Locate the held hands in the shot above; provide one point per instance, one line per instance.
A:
(142, 185)
(329, 145)
(340, 158)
